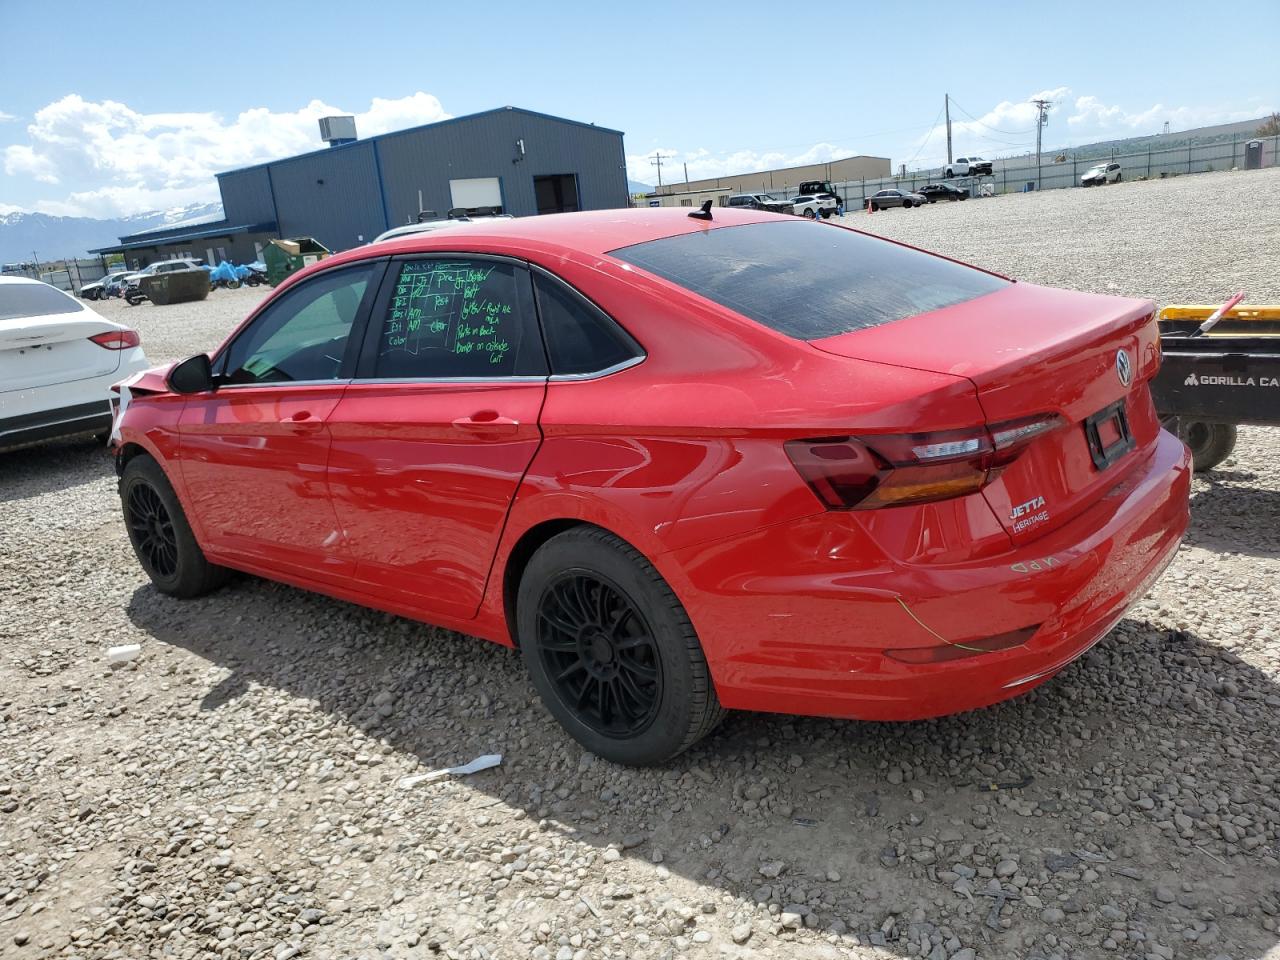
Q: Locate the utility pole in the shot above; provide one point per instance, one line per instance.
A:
(686, 173)
(946, 103)
(657, 162)
(1042, 117)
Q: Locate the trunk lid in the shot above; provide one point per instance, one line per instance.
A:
(1031, 351)
(39, 351)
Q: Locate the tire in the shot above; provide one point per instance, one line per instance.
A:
(875, 207)
(907, 204)
(161, 537)
(1210, 443)
(810, 214)
(639, 692)
(949, 174)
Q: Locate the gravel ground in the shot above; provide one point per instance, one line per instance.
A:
(234, 791)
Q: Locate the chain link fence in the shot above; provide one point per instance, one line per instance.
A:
(1020, 174)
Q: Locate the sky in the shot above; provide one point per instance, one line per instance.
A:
(140, 116)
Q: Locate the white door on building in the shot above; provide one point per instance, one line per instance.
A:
(477, 192)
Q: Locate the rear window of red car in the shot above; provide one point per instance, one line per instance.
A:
(809, 280)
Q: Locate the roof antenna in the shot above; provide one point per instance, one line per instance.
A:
(704, 213)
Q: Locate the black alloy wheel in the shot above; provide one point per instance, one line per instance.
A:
(151, 529)
(600, 653)
(160, 535)
(611, 651)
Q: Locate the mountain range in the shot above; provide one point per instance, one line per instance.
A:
(44, 237)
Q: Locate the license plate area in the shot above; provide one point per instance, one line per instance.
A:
(1108, 434)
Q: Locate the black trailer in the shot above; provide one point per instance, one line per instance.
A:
(1209, 384)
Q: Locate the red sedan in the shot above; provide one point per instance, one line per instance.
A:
(685, 465)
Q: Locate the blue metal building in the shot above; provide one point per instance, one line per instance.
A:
(513, 160)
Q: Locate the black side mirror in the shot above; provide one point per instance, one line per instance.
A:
(193, 375)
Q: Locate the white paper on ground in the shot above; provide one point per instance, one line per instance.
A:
(475, 766)
(123, 654)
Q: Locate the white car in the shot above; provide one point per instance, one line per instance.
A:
(160, 266)
(1103, 173)
(814, 207)
(428, 226)
(58, 360)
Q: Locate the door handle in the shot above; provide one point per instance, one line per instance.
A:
(302, 422)
(487, 422)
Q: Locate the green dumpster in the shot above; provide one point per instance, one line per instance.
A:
(283, 257)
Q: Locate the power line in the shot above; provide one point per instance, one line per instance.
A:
(1007, 133)
(657, 162)
(933, 127)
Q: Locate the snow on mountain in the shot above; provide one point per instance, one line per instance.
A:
(24, 236)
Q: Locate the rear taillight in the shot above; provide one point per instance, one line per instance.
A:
(867, 473)
(117, 339)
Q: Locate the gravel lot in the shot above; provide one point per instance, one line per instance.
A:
(233, 792)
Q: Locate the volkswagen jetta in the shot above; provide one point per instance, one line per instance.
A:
(684, 463)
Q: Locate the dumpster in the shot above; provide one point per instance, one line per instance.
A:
(284, 257)
(177, 286)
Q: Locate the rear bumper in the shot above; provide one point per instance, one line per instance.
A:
(815, 643)
(82, 418)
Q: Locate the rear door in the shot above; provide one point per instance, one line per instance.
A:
(434, 435)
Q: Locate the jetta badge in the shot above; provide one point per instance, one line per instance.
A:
(1124, 368)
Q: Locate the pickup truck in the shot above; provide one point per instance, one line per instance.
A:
(760, 201)
(814, 207)
(969, 167)
(1209, 384)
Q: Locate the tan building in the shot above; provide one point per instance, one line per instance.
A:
(782, 181)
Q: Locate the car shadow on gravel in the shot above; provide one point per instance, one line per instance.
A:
(1229, 513)
(1139, 783)
(51, 467)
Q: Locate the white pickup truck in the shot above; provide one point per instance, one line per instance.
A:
(814, 207)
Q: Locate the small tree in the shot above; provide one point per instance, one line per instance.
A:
(1270, 127)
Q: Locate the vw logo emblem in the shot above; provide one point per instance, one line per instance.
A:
(1124, 368)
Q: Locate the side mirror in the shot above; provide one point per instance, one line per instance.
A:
(193, 375)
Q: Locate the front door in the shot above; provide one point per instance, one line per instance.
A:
(253, 452)
(432, 438)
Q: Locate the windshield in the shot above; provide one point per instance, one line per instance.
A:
(34, 300)
(809, 280)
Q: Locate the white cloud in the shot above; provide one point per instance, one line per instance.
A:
(703, 164)
(1009, 128)
(5, 117)
(118, 161)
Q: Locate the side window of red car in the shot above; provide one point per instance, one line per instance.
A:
(455, 317)
(581, 339)
(302, 335)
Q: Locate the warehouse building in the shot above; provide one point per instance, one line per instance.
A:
(506, 160)
(782, 181)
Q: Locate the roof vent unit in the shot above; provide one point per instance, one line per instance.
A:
(338, 130)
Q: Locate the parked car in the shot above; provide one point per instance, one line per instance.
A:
(1100, 175)
(427, 226)
(933, 192)
(761, 201)
(106, 287)
(683, 464)
(822, 189)
(968, 167)
(131, 280)
(896, 198)
(814, 207)
(58, 359)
